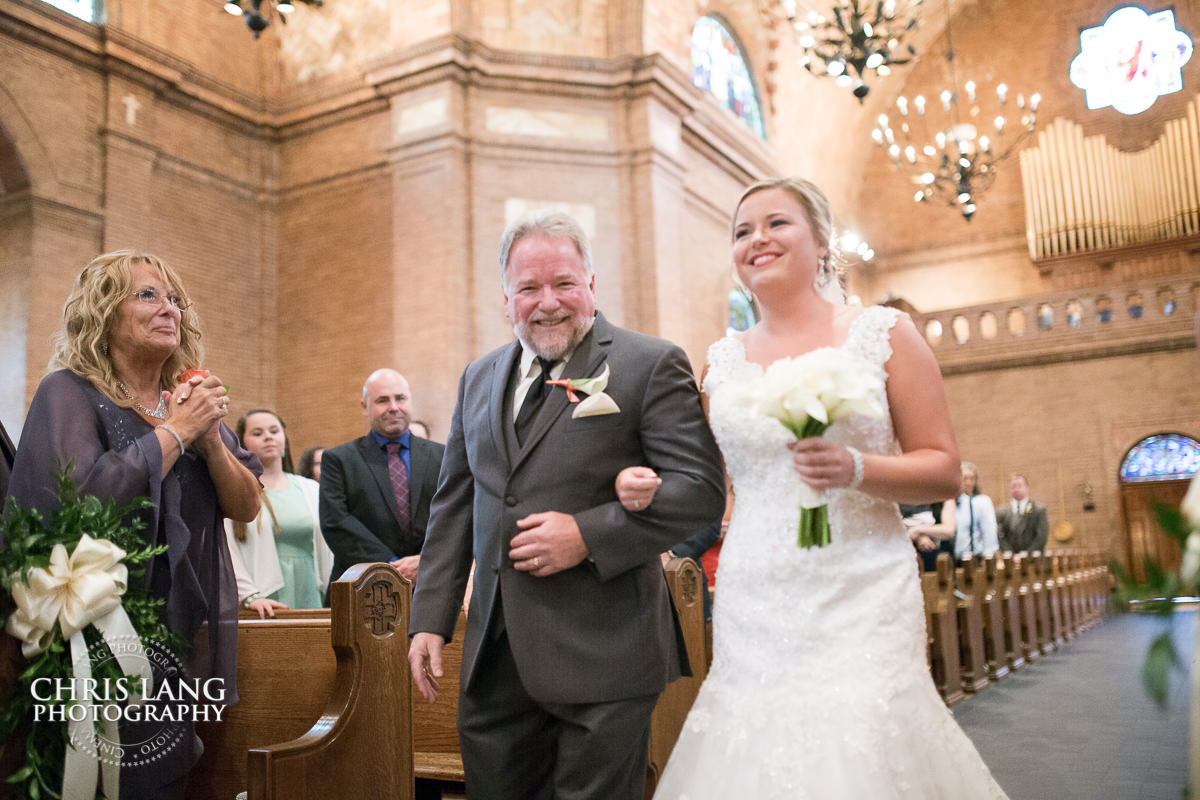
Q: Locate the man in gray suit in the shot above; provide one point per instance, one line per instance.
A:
(1023, 525)
(570, 633)
(375, 490)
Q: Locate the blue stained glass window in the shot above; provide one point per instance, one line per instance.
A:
(1162, 457)
(719, 68)
(742, 313)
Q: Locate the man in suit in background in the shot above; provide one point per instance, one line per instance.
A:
(570, 632)
(375, 490)
(1023, 525)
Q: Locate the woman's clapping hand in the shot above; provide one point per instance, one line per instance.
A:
(195, 408)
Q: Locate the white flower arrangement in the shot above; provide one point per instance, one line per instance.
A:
(807, 394)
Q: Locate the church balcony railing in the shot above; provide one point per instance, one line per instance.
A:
(1145, 316)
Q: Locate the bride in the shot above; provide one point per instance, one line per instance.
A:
(819, 686)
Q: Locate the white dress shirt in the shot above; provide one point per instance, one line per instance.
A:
(975, 526)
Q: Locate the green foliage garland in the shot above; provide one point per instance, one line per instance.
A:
(1156, 594)
(28, 540)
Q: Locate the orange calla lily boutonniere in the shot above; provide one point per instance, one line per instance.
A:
(597, 402)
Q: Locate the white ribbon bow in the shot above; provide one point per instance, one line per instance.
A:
(74, 592)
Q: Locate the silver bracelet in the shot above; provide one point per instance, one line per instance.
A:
(175, 433)
(857, 478)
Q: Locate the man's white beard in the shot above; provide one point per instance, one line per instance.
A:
(558, 345)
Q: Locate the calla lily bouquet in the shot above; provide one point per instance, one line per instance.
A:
(70, 583)
(807, 394)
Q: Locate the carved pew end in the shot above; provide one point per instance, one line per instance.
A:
(369, 629)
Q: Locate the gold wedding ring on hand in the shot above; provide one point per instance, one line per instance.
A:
(537, 562)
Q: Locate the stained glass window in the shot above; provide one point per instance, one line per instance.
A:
(1130, 60)
(86, 10)
(1163, 457)
(719, 68)
(742, 313)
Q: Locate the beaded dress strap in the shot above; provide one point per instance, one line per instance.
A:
(870, 334)
(724, 355)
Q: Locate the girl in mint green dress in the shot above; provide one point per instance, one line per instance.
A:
(280, 560)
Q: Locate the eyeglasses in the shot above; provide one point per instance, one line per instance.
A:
(152, 298)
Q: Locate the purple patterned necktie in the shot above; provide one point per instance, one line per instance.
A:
(399, 476)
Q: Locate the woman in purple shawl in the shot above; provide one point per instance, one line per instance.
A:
(112, 405)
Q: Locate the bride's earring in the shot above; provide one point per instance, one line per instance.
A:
(824, 270)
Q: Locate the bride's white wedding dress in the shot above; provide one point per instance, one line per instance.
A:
(819, 686)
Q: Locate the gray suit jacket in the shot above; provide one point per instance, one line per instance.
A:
(1024, 532)
(603, 630)
(358, 507)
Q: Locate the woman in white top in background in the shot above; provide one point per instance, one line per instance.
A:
(280, 560)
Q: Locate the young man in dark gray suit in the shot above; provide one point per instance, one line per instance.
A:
(375, 490)
(570, 633)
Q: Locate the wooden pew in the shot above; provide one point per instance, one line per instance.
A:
(362, 745)
(1041, 600)
(941, 622)
(290, 683)
(435, 725)
(1054, 598)
(1028, 606)
(969, 589)
(683, 580)
(993, 619)
(1062, 583)
(1010, 583)
(318, 694)
(1071, 568)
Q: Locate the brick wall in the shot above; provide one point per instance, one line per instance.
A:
(347, 220)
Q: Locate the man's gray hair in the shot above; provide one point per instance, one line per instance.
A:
(554, 224)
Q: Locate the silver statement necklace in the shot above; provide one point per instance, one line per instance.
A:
(158, 413)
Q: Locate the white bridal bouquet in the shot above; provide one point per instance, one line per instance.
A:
(807, 394)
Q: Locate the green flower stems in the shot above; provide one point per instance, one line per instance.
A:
(814, 522)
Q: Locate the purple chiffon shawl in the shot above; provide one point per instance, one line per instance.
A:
(117, 457)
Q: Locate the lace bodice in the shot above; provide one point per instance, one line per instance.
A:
(755, 446)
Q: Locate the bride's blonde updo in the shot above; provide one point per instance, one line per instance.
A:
(817, 209)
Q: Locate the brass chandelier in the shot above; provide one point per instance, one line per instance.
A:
(859, 37)
(953, 144)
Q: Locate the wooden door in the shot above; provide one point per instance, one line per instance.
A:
(1143, 538)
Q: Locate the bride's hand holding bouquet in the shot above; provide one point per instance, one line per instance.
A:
(807, 394)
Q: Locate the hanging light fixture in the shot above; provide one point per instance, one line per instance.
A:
(854, 247)
(258, 13)
(952, 144)
(860, 37)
